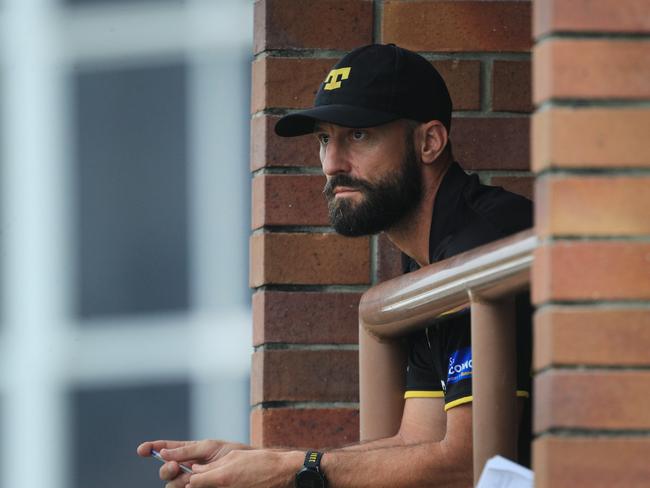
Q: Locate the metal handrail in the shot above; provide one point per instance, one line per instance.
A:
(486, 278)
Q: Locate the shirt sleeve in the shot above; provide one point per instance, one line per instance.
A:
(422, 378)
(440, 357)
(456, 354)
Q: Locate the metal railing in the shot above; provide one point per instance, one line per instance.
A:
(486, 278)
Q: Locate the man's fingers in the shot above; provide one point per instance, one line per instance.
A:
(189, 451)
(202, 468)
(170, 471)
(180, 482)
(204, 480)
(145, 448)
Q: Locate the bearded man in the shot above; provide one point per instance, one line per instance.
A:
(382, 119)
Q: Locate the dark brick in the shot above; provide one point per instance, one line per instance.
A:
(499, 143)
(270, 150)
(305, 376)
(309, 259)
(306, 428)
(289, 200)
(312, 24)
(287, 82)
(458, 26)
(511, 90)
(305, 317)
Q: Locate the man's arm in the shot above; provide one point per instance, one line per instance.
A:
(433, 449)
(446, 461)
(423, 420)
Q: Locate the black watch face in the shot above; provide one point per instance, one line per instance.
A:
(309, 479)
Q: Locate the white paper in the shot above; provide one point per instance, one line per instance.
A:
(500, 472)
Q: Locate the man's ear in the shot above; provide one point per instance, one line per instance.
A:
(433, 140)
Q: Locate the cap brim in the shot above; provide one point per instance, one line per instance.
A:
(302, 123)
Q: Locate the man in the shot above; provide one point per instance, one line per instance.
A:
(382, 119)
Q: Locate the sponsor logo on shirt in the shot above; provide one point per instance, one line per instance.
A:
(460, 366)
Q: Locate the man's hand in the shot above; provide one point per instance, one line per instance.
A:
(186, 452)
(260, 468)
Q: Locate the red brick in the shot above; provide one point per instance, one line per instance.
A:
(576, 68)
(491, 142)
(591, 270)
(596, 206)
(457, 26)
(306, 428)
(270, 150)
(591, 138)
(304, 376)
(287, 82)
(389, 259)
(312, 24)
(511, 90)
(305, 317)
(592, 336)
(521, 185)
(309, 259)
(596, 462)
(590, 16)
(289, 200)
(463, 78)
(616, 400)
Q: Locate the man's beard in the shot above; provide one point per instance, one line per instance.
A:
(384, 203)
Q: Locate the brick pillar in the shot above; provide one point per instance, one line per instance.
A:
(308, 280)
(591, 276)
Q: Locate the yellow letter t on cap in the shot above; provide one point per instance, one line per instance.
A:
(333, 80)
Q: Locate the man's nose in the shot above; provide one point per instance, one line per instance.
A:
(334, 159)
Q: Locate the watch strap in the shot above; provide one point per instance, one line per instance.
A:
(312, 460)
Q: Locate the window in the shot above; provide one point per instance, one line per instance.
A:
(131, 158)
(126, 162)
(109, 423)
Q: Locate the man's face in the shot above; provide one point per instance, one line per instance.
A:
(373, 176)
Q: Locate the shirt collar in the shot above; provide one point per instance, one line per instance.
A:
(444, 217)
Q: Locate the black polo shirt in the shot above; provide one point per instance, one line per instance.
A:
(466, 214)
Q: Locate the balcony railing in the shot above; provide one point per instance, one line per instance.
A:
(486, 278)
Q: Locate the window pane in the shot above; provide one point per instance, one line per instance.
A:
(118, 2)
(131, 159)
(108, 424)
(2, 211)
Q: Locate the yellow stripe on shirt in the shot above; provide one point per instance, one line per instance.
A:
(460, 401)
(467, 399)
(423, 394)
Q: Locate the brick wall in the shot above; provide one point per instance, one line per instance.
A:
(308, 280)
(591, 276)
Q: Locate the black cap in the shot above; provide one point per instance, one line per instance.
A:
(374, 85)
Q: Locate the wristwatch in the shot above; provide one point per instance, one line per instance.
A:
(311, 476)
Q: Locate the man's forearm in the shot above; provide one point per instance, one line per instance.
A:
(427, 464)
(394, 441)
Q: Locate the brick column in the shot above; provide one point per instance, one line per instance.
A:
(591, 276)
(308, 280)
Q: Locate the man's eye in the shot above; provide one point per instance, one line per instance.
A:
(358, 135)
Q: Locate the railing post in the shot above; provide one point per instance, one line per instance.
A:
(382, 366)
(494, 406)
